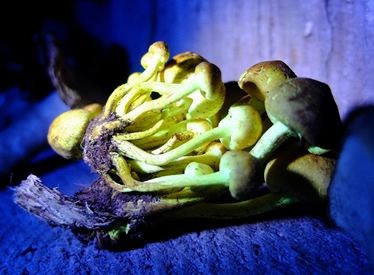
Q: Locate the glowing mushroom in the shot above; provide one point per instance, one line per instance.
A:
(211, 156)
(153, 62)
(66, 132)
(206, 80)
(240, 129)
(237, 171)
(180, 67)
(295, 176)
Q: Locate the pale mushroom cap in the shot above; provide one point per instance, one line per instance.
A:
(246, 124)
(212, 80)
(210, 96)
(94, 108)
(161, 48)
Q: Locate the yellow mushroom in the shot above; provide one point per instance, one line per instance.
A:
(66, 132)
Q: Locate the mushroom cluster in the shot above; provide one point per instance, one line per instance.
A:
(176, 126)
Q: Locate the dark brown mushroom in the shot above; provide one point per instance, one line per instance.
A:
(304, 108)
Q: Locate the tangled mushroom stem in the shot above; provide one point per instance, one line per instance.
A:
(238, 130)
(154, 61)
(237, 170)
(132, 117)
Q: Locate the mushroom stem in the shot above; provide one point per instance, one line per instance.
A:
(194, 128)
(162, 183)
(235, 210)
(234, 130)
(211, 157)
(274, 137)
(206, 81)
(180, 92)
(144, 87)
(185, 180)
(237, 171)
(157, 184)
(138, 135)
(162, 136)
(172, 115)
(159, 54)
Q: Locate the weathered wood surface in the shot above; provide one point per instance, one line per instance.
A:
(330, 40)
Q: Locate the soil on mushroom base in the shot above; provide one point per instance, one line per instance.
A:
(96, 151)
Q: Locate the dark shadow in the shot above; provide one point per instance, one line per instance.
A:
(40, 167)
(359, 121)
(23, 62)
(173, 230)
(149, 229)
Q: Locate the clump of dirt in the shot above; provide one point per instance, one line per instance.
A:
(102, 198)
(127, 208)
(96, 151)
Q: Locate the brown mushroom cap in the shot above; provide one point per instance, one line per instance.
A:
(308, 107)
(263, 76)
(299, 173)
(243, 173)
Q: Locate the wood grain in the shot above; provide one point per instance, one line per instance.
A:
(331, 41)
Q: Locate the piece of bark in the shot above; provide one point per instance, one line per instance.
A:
(57, 209)
(98, 209)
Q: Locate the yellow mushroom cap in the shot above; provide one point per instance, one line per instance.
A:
(160, 49)
(67, 130)
(180, 67)
(94, 108)
(263, 76)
